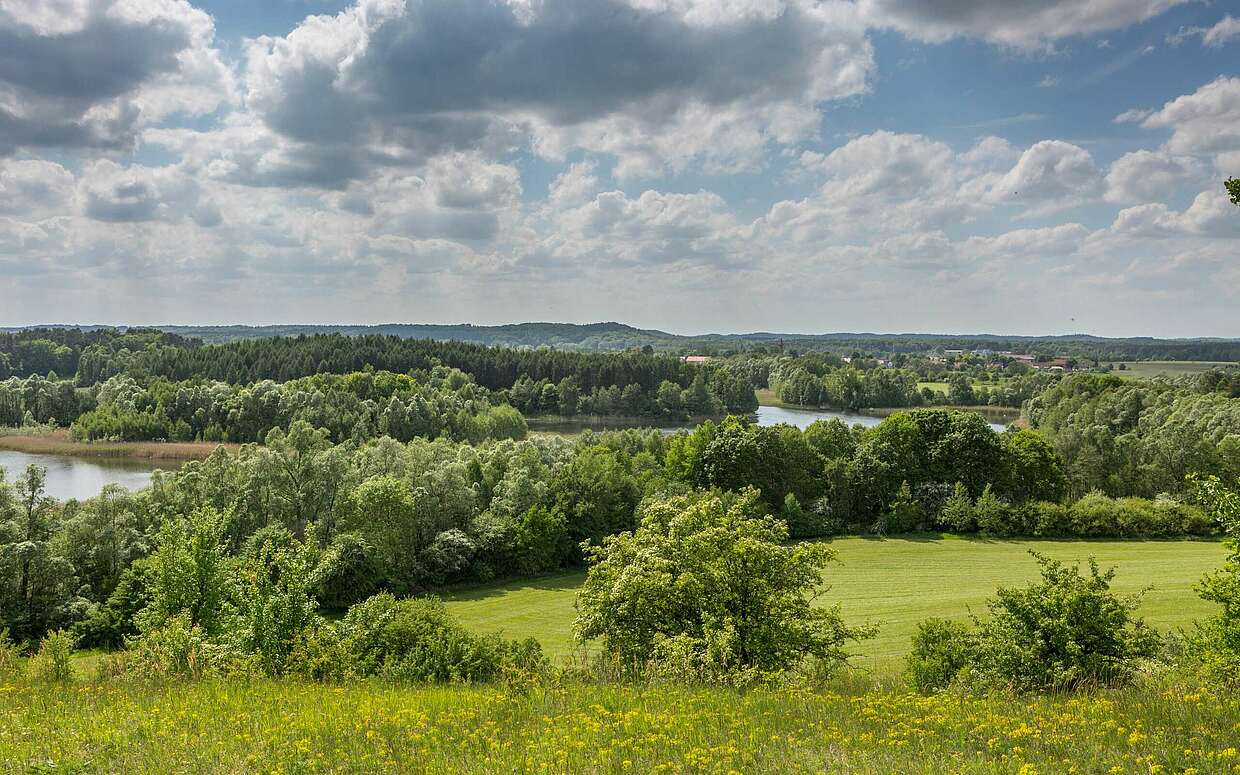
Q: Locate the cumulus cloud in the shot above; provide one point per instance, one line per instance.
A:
(1147, 176)
(1206, 121)
(90, 73)
(34, 187)
(1026, 24)
(653, 83)
(1211, 215)
(1053, 174)
(135, 193)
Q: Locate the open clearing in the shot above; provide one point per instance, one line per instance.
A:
(895, 583)
(1150, 369)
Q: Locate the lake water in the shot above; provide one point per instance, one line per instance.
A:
(998, 420)
(78, 477)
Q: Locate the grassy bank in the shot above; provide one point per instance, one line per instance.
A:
(896, 583)
(274, 727)
(58, 442)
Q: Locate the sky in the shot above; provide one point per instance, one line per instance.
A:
(962, 166)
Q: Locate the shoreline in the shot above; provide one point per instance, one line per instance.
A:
(57, 442)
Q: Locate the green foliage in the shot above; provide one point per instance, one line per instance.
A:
(958, 513)
(188, 575)
(905, 514)
(992, 513)
(1216, 642)
(705, 580)
(349, 572)
(10, 657)
(1066, 631)
(540, 541)
(109, 625)
(596, 493)
(418, 640)
(275, 606)
(1139, 437)
(37, 585)
(1233, 190)
(54, 661)
(941, 650)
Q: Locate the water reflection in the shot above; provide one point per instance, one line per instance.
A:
(77, 477)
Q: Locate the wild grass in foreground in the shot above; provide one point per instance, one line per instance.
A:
(289, 727)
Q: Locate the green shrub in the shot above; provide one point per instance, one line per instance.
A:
(708, 581)
(182, 649)
(941, 649)
(54, 661)
(958, 513)
(1215, 645)
(111, 623)
(349, 572)
(992, 513)
(417, 640)
(10, 657)
(1066, 631)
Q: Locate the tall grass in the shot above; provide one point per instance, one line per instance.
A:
(271, 726)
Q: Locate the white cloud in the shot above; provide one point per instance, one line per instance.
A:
(91, 73)
(1052, 174)
(1148, 176)
(1227, 28)
(656, 84)
(1026, 24)
(1206, 121)
(34, 187)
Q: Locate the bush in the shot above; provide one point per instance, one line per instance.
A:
(349, 572)
(111, 623)
(179, 648)
(1064, 632)
(941, 649)
(707, 581)
(10, 657)
(1068, 630)
(1215, 646)
(418, 640)
(958, 513)
(993, 514)
(54, 662)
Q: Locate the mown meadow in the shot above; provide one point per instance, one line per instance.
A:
(894, 582)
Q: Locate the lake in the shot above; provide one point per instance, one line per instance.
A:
(78, 477)
(997, 418)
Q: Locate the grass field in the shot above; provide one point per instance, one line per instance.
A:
(58, 442)
(290, 727)
(1150, 369)
(894, 583)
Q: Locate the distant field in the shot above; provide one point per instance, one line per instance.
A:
(1149, 369)
(940, 387)
(58, 442)
(895, 583)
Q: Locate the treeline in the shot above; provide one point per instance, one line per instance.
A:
(712, 393)
(1140, 437)
(826, 380)
(441, 403)
(405, 518)
(65, 351)
(495, 368)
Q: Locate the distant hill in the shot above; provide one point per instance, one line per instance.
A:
(612, 336)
